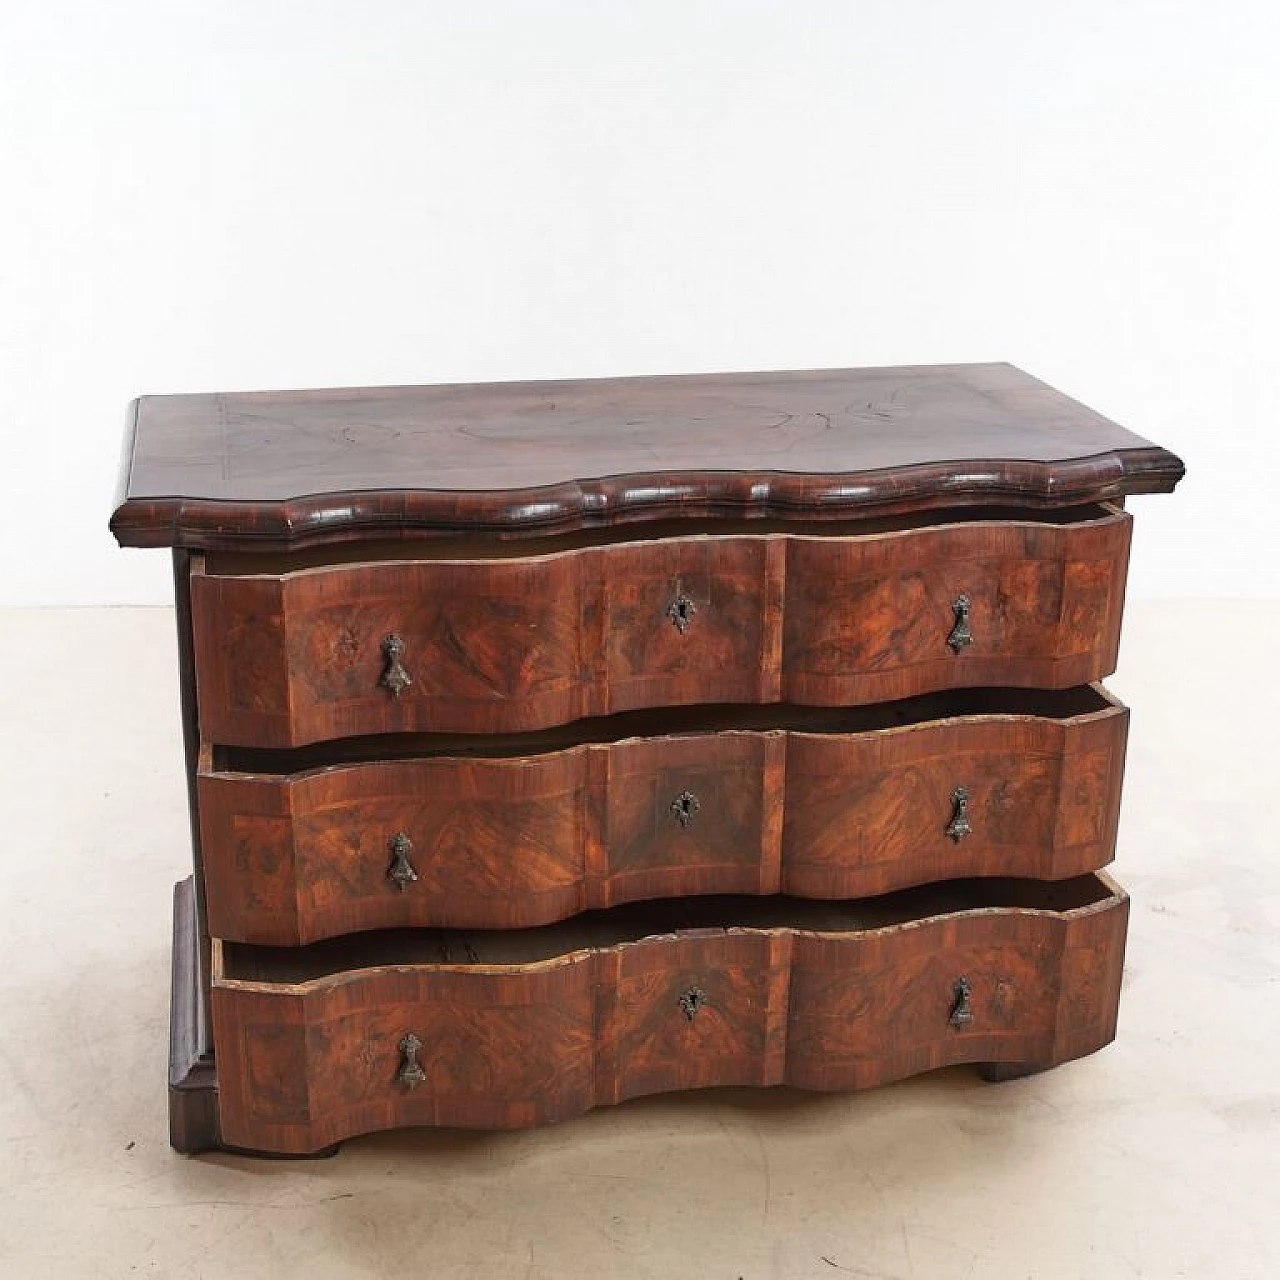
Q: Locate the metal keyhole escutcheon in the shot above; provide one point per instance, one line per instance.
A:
(691, 1001)
(959, 826)
(410, 1074)
(684, 806)
(401, 869)
(681, 611)
(961, 634)
(961, 1009)
(395, 677)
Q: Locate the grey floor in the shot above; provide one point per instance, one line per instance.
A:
(1159, 1156)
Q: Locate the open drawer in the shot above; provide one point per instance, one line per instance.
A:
(506, 1029)
(832, 803)
(295, 649)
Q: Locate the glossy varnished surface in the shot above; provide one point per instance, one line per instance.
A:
(508, 1043)
(506, 645)
(288, 468)
(510, 841)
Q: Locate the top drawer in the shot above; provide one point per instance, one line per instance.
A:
(290, 655)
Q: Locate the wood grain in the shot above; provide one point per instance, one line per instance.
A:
(507, 842)
(518, 459)
(500, 646)
(305, 1064)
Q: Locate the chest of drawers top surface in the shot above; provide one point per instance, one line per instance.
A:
(284, 469)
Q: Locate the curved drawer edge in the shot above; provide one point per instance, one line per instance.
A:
(302, 1066)
(523, 644)
(514, 842)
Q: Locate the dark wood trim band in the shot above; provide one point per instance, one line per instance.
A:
(193, 1080)
(618, 500)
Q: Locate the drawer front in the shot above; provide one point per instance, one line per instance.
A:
(504, 646)
(880, 1007)
(1010, 988)
(473, 843)
(297, 1072)
(506, 843)
(988, 796)
(303, 1066)
(487, 647)
(690, 1012)
(1018, 604)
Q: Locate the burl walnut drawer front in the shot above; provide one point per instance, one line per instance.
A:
(517, 1029)
(507, 645)
(1025, 785)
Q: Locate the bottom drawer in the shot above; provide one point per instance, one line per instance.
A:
(506, 1029)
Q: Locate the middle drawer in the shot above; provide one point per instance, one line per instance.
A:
(845, 803)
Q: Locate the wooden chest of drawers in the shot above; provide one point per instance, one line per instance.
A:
(554, 743)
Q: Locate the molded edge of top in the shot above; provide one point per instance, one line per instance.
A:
(342, 515)
(633, 499)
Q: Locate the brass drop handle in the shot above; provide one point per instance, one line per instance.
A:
(961, 1009)
(410, 1074)
(684, 806)
(395, 678)
(401, 869)
(691, 1001)
(681, 611)
(959, 826)
(961, 635)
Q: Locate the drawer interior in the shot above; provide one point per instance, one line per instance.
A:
(477, 546)
(239, 962)
(1051, 704)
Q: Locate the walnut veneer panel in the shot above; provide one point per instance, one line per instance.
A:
(861, 621)
(511, 842)
(303, 1065)
(499, 646)
(288, 468)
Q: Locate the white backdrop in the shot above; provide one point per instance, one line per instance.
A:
(232, 195)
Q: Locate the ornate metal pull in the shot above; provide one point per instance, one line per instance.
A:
(960, 635)
(394, 678)
(961, 1010)
(410, 1074)
(401, 870)
(681, 611)
(959, 826)
(691, 1001)
(684, 806)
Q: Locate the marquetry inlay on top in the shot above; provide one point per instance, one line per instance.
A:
(284, 468)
